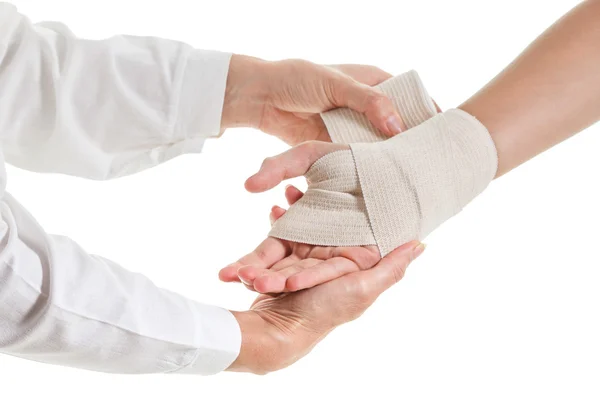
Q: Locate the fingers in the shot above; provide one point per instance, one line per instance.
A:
(377, 107)
(391, 268)
(290, 164)
(264, 256)
(229, 273)
(323, 272)
(271, 281)
(292, 194)
(276, 213)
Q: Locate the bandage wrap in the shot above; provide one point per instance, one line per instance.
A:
(409, 96)
(390, 192)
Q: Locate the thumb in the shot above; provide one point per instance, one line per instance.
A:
(290, 164)
(391, 269)
(376, 106)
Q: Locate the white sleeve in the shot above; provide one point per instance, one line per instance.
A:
(60, 305)
(102, 108)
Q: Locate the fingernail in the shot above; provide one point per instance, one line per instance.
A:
(244, 281)
(394, 124)
(417, 251)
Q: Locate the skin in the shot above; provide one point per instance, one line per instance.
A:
(284, 99)
(278, 330)
(548, 94)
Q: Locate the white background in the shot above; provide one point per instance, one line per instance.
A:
(504, 302)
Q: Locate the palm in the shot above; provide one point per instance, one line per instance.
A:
(293, 309)
(293, 127)
(299, 320)
(278, 265)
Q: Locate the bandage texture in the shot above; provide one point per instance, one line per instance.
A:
(410, 98)
(334, 191)
(387, 193)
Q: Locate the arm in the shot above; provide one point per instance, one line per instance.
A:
(403, 188)
(60, 305)
(105, 108)
(101, 109)
(548, 94)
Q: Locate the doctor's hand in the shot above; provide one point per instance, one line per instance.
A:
(279, 330)
(284, 98)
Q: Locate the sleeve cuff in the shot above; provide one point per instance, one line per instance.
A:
(202, 95)
(219, 339)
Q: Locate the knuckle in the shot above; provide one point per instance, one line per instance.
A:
(364, 294)
(335, 87)
(268, 162)
(309, 148)
(398, 274)
(262, 254)
(375, 101)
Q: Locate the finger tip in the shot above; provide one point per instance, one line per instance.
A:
(223, 277)
(228, 274)
(247, 273)
(409, 245)
(261, 285)
(394, 124)
(270, 284)
(277, 211)
(250, 185)
(291, 190)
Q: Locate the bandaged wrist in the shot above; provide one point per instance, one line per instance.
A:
(390, 192)
(409, 97)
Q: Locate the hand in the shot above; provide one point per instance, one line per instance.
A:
(278, 265)
(279, 330)
(284, 98)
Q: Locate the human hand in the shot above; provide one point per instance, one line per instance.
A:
(279, 330)
(284, 98)
(278, 265)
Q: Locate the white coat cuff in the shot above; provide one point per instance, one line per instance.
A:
(220, 341)
(202, 95)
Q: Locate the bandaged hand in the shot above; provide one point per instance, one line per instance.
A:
(280, 265)
(390, 192)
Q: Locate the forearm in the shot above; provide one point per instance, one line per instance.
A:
(61, 305)
(102, 108)
(549, 93)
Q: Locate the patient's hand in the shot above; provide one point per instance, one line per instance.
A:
(279, 265)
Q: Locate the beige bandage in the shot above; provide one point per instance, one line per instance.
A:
(410, 98)
(393, 191)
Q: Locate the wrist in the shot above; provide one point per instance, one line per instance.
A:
(245, 93)
(270, 343)
(258, 346)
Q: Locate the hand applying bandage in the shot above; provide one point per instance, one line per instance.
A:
(333, 212)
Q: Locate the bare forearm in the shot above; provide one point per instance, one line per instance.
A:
(549, 93)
